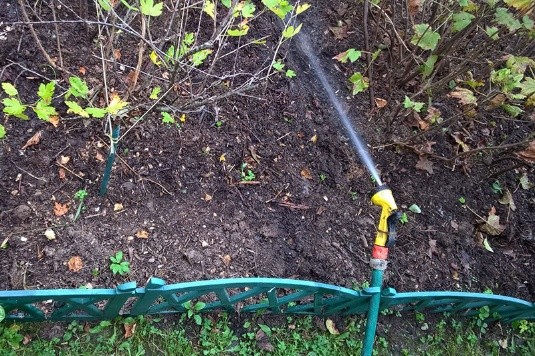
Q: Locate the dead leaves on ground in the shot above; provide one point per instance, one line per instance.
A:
(34, 140)
(492, 225)
(528, 154)
(75, 264)
(60, 209)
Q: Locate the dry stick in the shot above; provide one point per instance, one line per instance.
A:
(37, 40)
(368, 55)
(57, 33)
(139, 58)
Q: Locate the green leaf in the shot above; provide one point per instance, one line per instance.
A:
(78, 87)
(167, 119)
(44, 111)
(76, 109)
(105, 5)
(149, 8)
(9, 89)
(240, 30)
(520, 5)
(415, 209)
(2, 135)
(492, 32)
(527, 22)
(13, 107)
(351, 54)
(97, 113)
(527, 86)
(266, 329)
(46, 91)
(424, 37)
(248, 10)
(360, 83)
(505, 18)
(429, 65)
(198, 57)
(462, 200)
(463, 3)
(302, 8)
(189, 38)
(461, 20)
(155, 92)
(512, 110)
(198, 319)
(226, 3)
(290, 73)
(199, 306)
(278, 65)
(414, 105)
(119, 256)
(209, 8)
(404, 218)
(279, 7)
(2, 311)
(291, 31)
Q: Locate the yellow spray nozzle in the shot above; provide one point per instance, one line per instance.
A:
(386, 227)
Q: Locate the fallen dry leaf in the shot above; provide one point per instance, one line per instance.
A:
(75, 264)
(528, 154)
(129, 330)
(34, 140)
(331, 326)
(61, 174)
(99, 157)
(496, 101)
(142, 234)
(339, 33)
(207, 197)
(82, 70)
(380, 103)
(457, 138)
(226, 260)
(492, 225)
(262, 341)
(117, 53)
(433, 115)
(464, 96)
(60, 209)
(305, 173)
(64, 159)
(117, 207)
(54, 120)
(50, 234)
(414, 6)
(27, 339)
(507, 199)
(314, 139)
(424, 164)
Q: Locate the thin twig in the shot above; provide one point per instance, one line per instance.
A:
(368, 54)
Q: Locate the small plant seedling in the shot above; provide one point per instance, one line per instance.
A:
(496, 187)
(404, 218)
(413, 105)
(95, 272)
(118, 266)
(246, 174)
(323, 177)
(80, 196)
(353, 195)
(218, 123)
(462, 200)
(193, 311)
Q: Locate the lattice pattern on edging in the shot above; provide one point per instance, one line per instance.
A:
(243, 295)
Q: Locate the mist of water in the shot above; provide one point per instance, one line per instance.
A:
(304, 46)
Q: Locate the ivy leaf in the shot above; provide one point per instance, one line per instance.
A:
(506, 18)
(461, 20)
(167, 119)
(149, 8)
(2, 135)
(291, 31)
(115, 105)
(13, 107)
(209, 8)
(424, 37)
(198, 57)
(527, 86)
(76, 109)
(360, 83)
(44, 111)
(9, 89)
(97, 113)
(78, 87)
(46, 91)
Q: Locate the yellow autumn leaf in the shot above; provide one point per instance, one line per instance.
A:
(222, 158)
(183, 118)
(154, 58)
(209, 8)
(116, 104)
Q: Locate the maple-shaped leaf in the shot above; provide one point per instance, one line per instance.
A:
(424, 37)
(464, 96)
(149, 8)
(425, 165)
(492, 225)
(116, 104)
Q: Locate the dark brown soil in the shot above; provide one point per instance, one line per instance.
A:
(307, 215)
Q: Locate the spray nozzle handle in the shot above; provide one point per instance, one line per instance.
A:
(392, 222)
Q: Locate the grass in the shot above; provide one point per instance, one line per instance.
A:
(220, 334)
